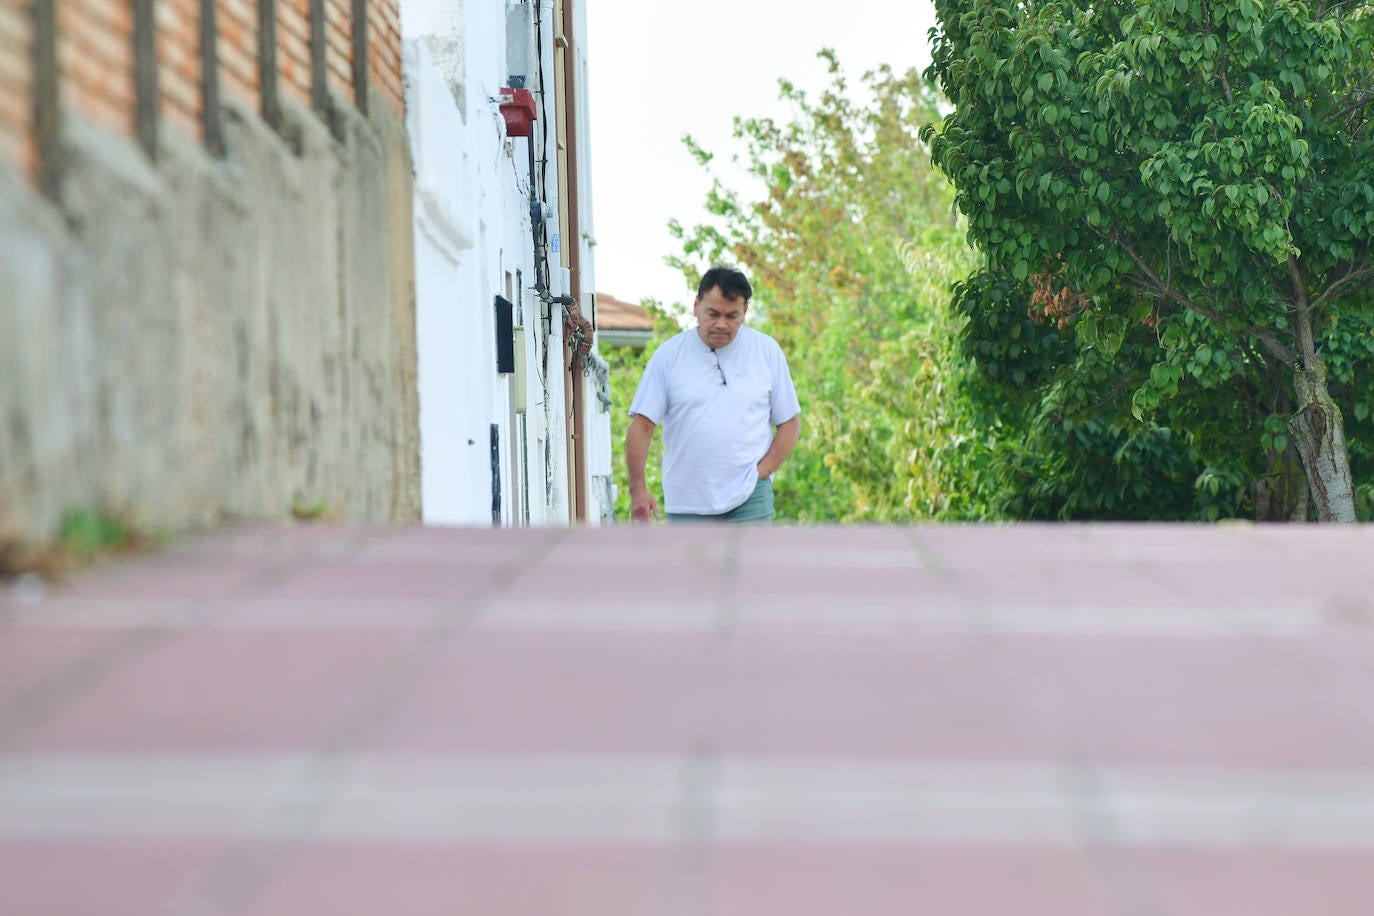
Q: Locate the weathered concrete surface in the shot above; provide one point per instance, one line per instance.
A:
(195, 340)
(1050, 720)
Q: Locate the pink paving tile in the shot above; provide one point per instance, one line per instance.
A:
(131, 611)
(1343, 544)
(939, 696)
(1047, 585)
(1162, 549)
(1176, 701)
(117, 877)
(1159, 544)
(1255, 589)
(614, 538)
(823, 582)
(286, 543)
(862, 533)
(894, 880)
(457, 539)
(612, 550)
(171, 576)
(223, 689)
(334, 613)
(1253, 882)
(498, 690)
(619, 583)
(514, 539)
(452, 581)
(29, 655)
(813, 538)
(1263, 579)
(459, 546)
(999, 547)
(1347, 650)
(447, 879)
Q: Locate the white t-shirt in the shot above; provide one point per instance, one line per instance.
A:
(714, 434)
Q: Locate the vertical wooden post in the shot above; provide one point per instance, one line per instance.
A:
(360, 75)
(267, 63)
(47, 111)
(211, 117)
(145, 76)
(319, 74)
(568, 92)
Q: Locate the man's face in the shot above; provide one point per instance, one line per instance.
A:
(718, 319)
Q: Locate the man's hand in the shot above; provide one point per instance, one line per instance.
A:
(784, 438)
(643, 506)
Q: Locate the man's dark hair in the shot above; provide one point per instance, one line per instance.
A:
(733, 284)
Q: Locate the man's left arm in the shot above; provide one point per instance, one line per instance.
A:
(784, 440)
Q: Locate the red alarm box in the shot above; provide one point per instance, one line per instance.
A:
(517, 107)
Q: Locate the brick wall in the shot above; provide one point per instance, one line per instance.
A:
(238, 50)
(293, 49)
(178, 58)
(339, 46)
(16, 87)
(384, 52)
(96, 61)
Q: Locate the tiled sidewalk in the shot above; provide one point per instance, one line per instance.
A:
(982, 721)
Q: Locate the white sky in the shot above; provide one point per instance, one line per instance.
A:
(657, 72)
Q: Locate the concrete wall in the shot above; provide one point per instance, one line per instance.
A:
(207, 339)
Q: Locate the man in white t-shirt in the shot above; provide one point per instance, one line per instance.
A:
(729, 412)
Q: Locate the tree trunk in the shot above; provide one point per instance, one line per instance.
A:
(1318, 432)
(1282, 494)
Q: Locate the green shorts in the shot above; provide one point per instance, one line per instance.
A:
(757, 508)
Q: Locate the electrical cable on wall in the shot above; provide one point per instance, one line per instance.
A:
(539, 185)
(577, 329)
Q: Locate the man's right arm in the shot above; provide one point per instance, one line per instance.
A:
(643, 507)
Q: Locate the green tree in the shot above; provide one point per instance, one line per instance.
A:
(851, 242)
(1199, 172)
(1054, 411)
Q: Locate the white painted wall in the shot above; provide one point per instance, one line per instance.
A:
(472, 236)
(601, 495)
(453, 434)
